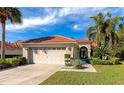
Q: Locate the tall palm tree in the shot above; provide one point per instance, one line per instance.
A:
(97, 31)
(111, 31)
(8, 13)
(104, 30)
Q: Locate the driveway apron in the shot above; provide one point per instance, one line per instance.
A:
(32, 74)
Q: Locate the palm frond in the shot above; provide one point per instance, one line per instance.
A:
(90, 30)
(15, 15)
(108, 14)
(11, 13)
(92, 36)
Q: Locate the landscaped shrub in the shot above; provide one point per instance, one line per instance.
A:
(110, 61)
(4, 64)
(101, 52)
(115, 60)
(77, 64)
(13, 61)
(22, 60)
(95, 61)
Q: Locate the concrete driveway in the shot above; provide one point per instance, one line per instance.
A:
(32, 74)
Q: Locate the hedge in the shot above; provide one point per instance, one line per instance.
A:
(12, 62)
(110, 61)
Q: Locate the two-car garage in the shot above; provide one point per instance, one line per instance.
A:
(48, 55)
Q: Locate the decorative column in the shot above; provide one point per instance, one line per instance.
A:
(89, 52)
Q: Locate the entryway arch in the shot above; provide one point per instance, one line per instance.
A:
(83, 52)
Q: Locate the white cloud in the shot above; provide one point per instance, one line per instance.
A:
(77, 27)
(80, 27)
(68, 11)
(32, 21)
(84, 11)
(53, 16)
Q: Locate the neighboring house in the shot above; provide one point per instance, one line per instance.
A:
(12, 49)
(51, 49)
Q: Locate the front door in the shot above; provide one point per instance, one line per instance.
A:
(83, 53)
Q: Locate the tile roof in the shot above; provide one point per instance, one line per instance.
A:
(82, 40)
(56, 38)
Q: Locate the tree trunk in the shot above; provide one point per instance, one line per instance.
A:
(3, 41)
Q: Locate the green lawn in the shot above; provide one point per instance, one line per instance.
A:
(106, 74)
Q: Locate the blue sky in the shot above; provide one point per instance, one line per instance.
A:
(40, 22)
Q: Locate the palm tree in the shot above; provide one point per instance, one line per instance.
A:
(111, 31)
(96, 31)
(104, 30)
(8, 13)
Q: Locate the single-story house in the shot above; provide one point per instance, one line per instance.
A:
(12, 49)
(51, 49)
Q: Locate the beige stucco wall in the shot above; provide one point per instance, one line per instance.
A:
(25, 53)
(76, 52)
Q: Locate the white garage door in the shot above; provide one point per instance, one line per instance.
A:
(48, 55)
